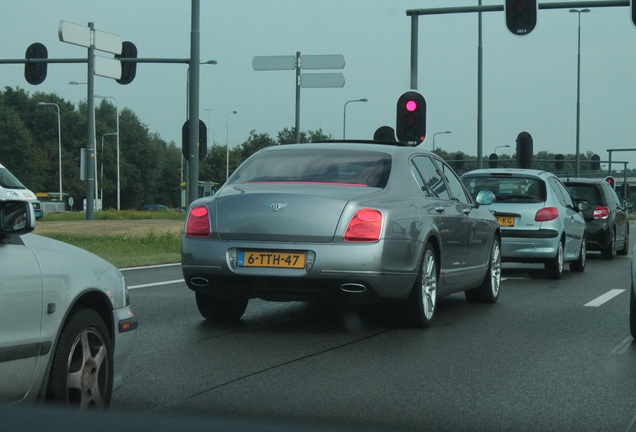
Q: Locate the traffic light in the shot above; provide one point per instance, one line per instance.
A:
(611, 181)
(521, 16)
(632, 6)
(493, 160)
(35, 73)
(384, 133)
(524, 150)
(411, 118)
(203, 140)
(559, 163)
(128, 68)
(596, 162)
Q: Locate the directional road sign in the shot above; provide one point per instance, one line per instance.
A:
(322, 80)
(81, 35)
(324, 61)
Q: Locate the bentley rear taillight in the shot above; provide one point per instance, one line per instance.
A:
(365, 226)
(198, 224)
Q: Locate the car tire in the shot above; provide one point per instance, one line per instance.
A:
(554, 266)
(632, 311)
(488, 291)
(219, 308)
(579, 264)
(625, 250)
(609, 252)
(82, 370)
(419, 309)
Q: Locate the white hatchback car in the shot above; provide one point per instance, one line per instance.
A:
(539, 220)
(66, 326)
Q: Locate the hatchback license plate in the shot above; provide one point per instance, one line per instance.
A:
(272, 259)
(506, 221)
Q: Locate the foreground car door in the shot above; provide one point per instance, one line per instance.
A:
(20, 318)
(574, 223)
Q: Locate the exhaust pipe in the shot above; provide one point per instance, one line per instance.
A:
(199, 281)
(354, 288)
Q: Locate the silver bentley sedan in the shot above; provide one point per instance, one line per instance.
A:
(349, 222)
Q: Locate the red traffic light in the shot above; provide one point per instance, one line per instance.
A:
(611, 181)
(410, 126)
(410, 105)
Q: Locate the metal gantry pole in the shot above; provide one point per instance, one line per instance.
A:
(193, 108)
(90, 144)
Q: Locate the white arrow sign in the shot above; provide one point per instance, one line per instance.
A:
(81, 35)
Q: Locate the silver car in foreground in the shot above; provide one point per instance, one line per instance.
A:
(66, 327)
(349, 222)
(540, 222)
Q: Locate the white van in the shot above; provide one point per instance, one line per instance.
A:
(12, 189)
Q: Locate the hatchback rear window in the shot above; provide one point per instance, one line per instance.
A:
(584, 192)
(335, 167)
(508, 188)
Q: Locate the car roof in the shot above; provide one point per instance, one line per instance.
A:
(509, 172)
(393, 148)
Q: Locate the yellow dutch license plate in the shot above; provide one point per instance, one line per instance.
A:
(506, 221)
(272, 259)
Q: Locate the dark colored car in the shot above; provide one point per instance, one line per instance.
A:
(348, 222)
(606, 217)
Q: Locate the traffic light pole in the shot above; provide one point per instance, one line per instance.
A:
(415, 13)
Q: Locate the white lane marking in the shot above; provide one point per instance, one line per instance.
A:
(604, 298)
(623, 346)
(149, 267)
(156, 284)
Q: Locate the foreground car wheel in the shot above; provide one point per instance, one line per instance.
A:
(419, 309)
(579, 264)
(632, 312)
(219, 308)
(554, 267)
(82, 369)
(488, 291)
(610, 251)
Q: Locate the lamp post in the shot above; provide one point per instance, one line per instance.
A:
(101, 176)
(227, 145)
(117, 133)
(59, 144)
(501, 146)
(344, 116)
(437, 133)
(578, 91)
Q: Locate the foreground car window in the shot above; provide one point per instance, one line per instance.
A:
(348, 168)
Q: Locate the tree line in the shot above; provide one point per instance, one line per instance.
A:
(150, 169)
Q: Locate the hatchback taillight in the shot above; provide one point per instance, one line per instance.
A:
(546, 214)
(601, 212)
(365, 226)
(198, 224)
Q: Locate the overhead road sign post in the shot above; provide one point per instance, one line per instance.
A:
(309, 80)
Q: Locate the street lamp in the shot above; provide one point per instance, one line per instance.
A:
(578, 91)
(227, 145)
(117, 129)
(59, 143)
(504, 146)
(344, 116)
(101, 177)
(437, 133)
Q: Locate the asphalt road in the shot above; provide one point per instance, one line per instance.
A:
(549, 356)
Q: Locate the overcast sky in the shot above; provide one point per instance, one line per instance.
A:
(529, 82)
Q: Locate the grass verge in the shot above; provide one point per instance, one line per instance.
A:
(128, 251)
